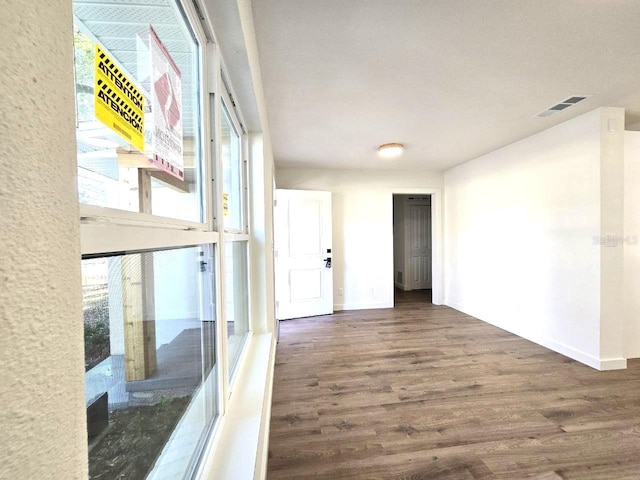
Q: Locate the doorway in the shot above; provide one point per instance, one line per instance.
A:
(412, 249)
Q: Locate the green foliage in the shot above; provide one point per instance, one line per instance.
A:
(96, 334)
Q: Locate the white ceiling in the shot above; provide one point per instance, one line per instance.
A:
(451, 79)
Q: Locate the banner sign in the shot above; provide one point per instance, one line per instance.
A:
(166, 109)
(118, 102)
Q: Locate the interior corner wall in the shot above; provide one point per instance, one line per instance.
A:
(362, 204)
(43, 416)
(631, 244)
(522, 237)
(523, 231)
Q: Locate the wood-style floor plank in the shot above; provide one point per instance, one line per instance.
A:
(426, 392)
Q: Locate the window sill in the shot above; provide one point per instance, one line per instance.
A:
(239, 450)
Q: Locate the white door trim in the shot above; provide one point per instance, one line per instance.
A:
(437, 233)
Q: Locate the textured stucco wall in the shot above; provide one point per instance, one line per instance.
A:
(42, 422)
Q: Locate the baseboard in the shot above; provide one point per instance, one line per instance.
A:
(561, 348)
(339, 307)
(455, 305)
(567, 351)
(613, 364)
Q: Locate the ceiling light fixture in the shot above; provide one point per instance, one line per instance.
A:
(390, 150)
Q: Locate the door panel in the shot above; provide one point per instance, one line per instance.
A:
(420, 245)
(305, 227)
(304, 283)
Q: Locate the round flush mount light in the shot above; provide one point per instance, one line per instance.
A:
(390, 150)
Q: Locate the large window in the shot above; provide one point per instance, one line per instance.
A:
(151, 374)
(137, 91)
(156, 322)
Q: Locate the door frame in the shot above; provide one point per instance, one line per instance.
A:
(437, 238)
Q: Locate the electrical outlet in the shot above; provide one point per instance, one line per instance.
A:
(340, 291)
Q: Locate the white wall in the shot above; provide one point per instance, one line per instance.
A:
(42, 414)
(522, 230)
(631, 242)
(363, 227)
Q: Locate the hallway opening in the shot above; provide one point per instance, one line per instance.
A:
(412, 298)
(412, 248)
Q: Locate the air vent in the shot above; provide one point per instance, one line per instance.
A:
(558, 107)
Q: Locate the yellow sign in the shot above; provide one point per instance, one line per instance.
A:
(118, 102)
(225, 204)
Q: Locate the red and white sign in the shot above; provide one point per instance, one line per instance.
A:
(166, 109)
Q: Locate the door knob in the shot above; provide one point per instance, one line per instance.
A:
(327, 262)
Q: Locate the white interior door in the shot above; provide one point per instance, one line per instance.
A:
(419, 219)
(304, 278)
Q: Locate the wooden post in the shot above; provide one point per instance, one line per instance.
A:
(138, 302)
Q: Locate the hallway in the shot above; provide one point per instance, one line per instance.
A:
(428, 392)
(412, 298)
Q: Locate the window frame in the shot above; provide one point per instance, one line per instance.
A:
(108, 231)
(223, 100)
(228, 105)
(92, 213)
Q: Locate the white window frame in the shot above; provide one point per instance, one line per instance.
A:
(228, 104)
(91, 214)
(233, 373)
(105, 231)
(224, 100)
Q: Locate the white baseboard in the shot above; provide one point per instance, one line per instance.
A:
(613, 364)
(566, 350)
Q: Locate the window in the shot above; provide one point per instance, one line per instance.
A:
(137, 97)
(152, 377)
(151, 374)
(236, 299)
(154, 388)
(233, 194)
(236, 289)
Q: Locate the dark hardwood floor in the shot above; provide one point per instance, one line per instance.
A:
(412, 297)
(426, 392)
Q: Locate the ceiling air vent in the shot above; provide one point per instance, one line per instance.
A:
(569, 102)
